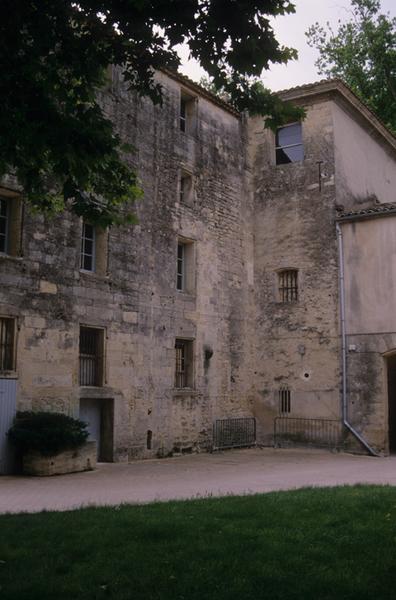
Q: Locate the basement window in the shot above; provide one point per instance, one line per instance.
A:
(289, 146)
(183, 364)
(288, 285)
(284, 397)
(91, 356)
(7, 344)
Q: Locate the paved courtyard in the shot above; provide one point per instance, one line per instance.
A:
(232, 472)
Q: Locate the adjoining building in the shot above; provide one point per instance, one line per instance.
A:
(224, 302)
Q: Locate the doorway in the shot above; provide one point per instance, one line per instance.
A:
(391, 368)
(98, 413)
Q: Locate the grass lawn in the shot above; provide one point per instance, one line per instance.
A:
(317, 544)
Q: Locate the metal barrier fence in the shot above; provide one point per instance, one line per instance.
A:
(234, 433)
(315, 432)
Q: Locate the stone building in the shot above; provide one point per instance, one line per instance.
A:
(224, 301)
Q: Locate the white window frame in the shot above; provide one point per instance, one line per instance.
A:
(277, 147)
(83, 253)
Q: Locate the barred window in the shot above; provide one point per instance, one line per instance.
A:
(289, 146)
(184, 364)
(7, 344)
(288, 285)
(284, 400)
(91, 356)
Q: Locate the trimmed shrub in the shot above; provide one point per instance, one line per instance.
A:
(46, 432)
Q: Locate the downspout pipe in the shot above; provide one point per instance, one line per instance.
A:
(343, 346)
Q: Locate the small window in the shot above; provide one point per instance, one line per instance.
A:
(10, 226)
(185, 266)
(93, 256)
(184, 364)
(289, 147)
(188, 113)
(288, 285)
(7, 344)
(284, 400)
(91, 356)
(185, 188)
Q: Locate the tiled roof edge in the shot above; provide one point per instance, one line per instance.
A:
(380, 210)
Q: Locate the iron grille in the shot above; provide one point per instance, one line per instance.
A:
(234, 433)
(91, 356)
(6, 344)
(288, 285)
(315, 432)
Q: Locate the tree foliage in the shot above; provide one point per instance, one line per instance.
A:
(363, 53)
(54, 54)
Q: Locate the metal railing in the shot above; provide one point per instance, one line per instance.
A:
(234, 433)
(290, 431)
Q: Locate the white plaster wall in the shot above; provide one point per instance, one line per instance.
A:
(363, 168)
(370, 275)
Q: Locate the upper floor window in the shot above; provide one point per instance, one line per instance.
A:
(93, 255)
(88, 244)
(188, 113)
(91, 356)
(289, 146)
(7, 344)
(10, 225)
(185, 187)
(185, 266)
(288, 285)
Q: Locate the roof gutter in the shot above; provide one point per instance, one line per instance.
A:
(343, 347)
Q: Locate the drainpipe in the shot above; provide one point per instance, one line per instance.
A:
(343, 348)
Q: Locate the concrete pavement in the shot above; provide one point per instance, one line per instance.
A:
(232, 472)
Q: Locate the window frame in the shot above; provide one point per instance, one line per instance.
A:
(187, 112)
(282, 147)
(184, 377)
(284, 399)
(185, 266)
(6, 219)
(11, 366)
(83, 253)
(288, 285)
(98, 358)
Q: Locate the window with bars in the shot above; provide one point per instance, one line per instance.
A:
(88, 247)
(184, 364)
(7, 344)
(288, 285)
(284, 400)
(289, 146)
(91, 356)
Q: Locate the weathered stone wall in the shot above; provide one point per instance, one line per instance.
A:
(136, 301)
(297, 344)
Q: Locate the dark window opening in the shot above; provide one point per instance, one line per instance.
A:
(91, 356)
(149, 439)
(183, 113)
(181, 267)
(7, 338)
(185, 188)
(289, 146)
(288, 285)
(4, 225)
(188, 113)
(183, 371)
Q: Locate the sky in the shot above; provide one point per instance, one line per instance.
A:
(290, 30)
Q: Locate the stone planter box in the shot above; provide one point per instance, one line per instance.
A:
(69, 461)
